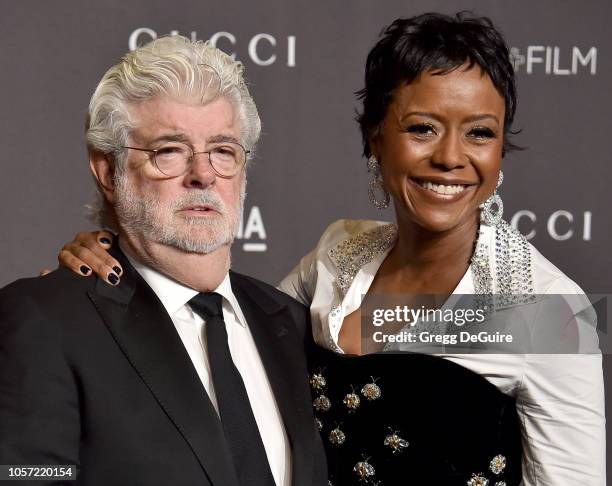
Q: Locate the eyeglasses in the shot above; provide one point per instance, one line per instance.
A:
(174, 159)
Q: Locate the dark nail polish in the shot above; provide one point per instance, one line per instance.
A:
(85, 270)
(105, 241)
(113, 279)
(117, 270)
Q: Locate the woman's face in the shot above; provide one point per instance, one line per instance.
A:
(440, 147)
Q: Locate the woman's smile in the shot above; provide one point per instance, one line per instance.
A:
(443, 191)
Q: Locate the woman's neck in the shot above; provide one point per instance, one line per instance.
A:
(422, 266)
(418, 248)
(427, 261)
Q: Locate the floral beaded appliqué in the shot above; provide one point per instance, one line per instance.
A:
(318, 382)
(497, 464)
(364, 470)
(478, 480)
(352, 401)
(371, 391)
(395, 442)
(337, 437)
(321, 404)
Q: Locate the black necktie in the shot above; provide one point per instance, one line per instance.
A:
(239, 425)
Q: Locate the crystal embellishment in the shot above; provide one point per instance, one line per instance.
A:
(395, 442)
(352, 401)
(371, 391)
(364, 470)
(318, 382)
(500, 483)
(497, 464)
(321, 404)
(481, 271)
(337, 437)
(478, 480)
(513, 263)
(319, 424)
(352, 254)
(510, 283)
(513, 277)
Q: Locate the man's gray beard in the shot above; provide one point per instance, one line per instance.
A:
(141, 215)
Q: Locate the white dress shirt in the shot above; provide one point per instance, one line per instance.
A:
(559, 397)
(190, 327)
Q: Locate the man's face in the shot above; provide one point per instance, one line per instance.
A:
(196, 212)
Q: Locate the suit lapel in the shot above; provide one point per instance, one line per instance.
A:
(143, 330)
(277, 343)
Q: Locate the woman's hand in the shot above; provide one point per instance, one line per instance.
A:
(89, 251)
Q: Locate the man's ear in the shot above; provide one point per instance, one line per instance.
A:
(103, 170)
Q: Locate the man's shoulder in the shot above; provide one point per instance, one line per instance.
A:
(42, 315)
(272, 300)
(51, 290)
(258, 288)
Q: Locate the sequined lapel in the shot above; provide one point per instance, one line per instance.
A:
(352, 254)
(512, 281)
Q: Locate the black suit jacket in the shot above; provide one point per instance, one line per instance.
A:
(97, 376)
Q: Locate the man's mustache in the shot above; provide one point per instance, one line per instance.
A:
(200, 198)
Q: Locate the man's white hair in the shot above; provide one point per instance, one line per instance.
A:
(171, 66)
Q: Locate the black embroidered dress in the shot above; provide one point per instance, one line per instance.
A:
(404, 418)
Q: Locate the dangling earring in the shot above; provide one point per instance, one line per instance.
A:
(376, 184)
(489, 216)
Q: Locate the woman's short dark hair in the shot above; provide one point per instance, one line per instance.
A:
(409, 47)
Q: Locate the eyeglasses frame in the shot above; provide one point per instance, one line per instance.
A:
(193, 154)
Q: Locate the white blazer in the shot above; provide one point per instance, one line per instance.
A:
(559, 397)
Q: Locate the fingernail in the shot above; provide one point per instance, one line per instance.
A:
(113, 279)
(105, 241)
(85, 270)
(117, 270)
